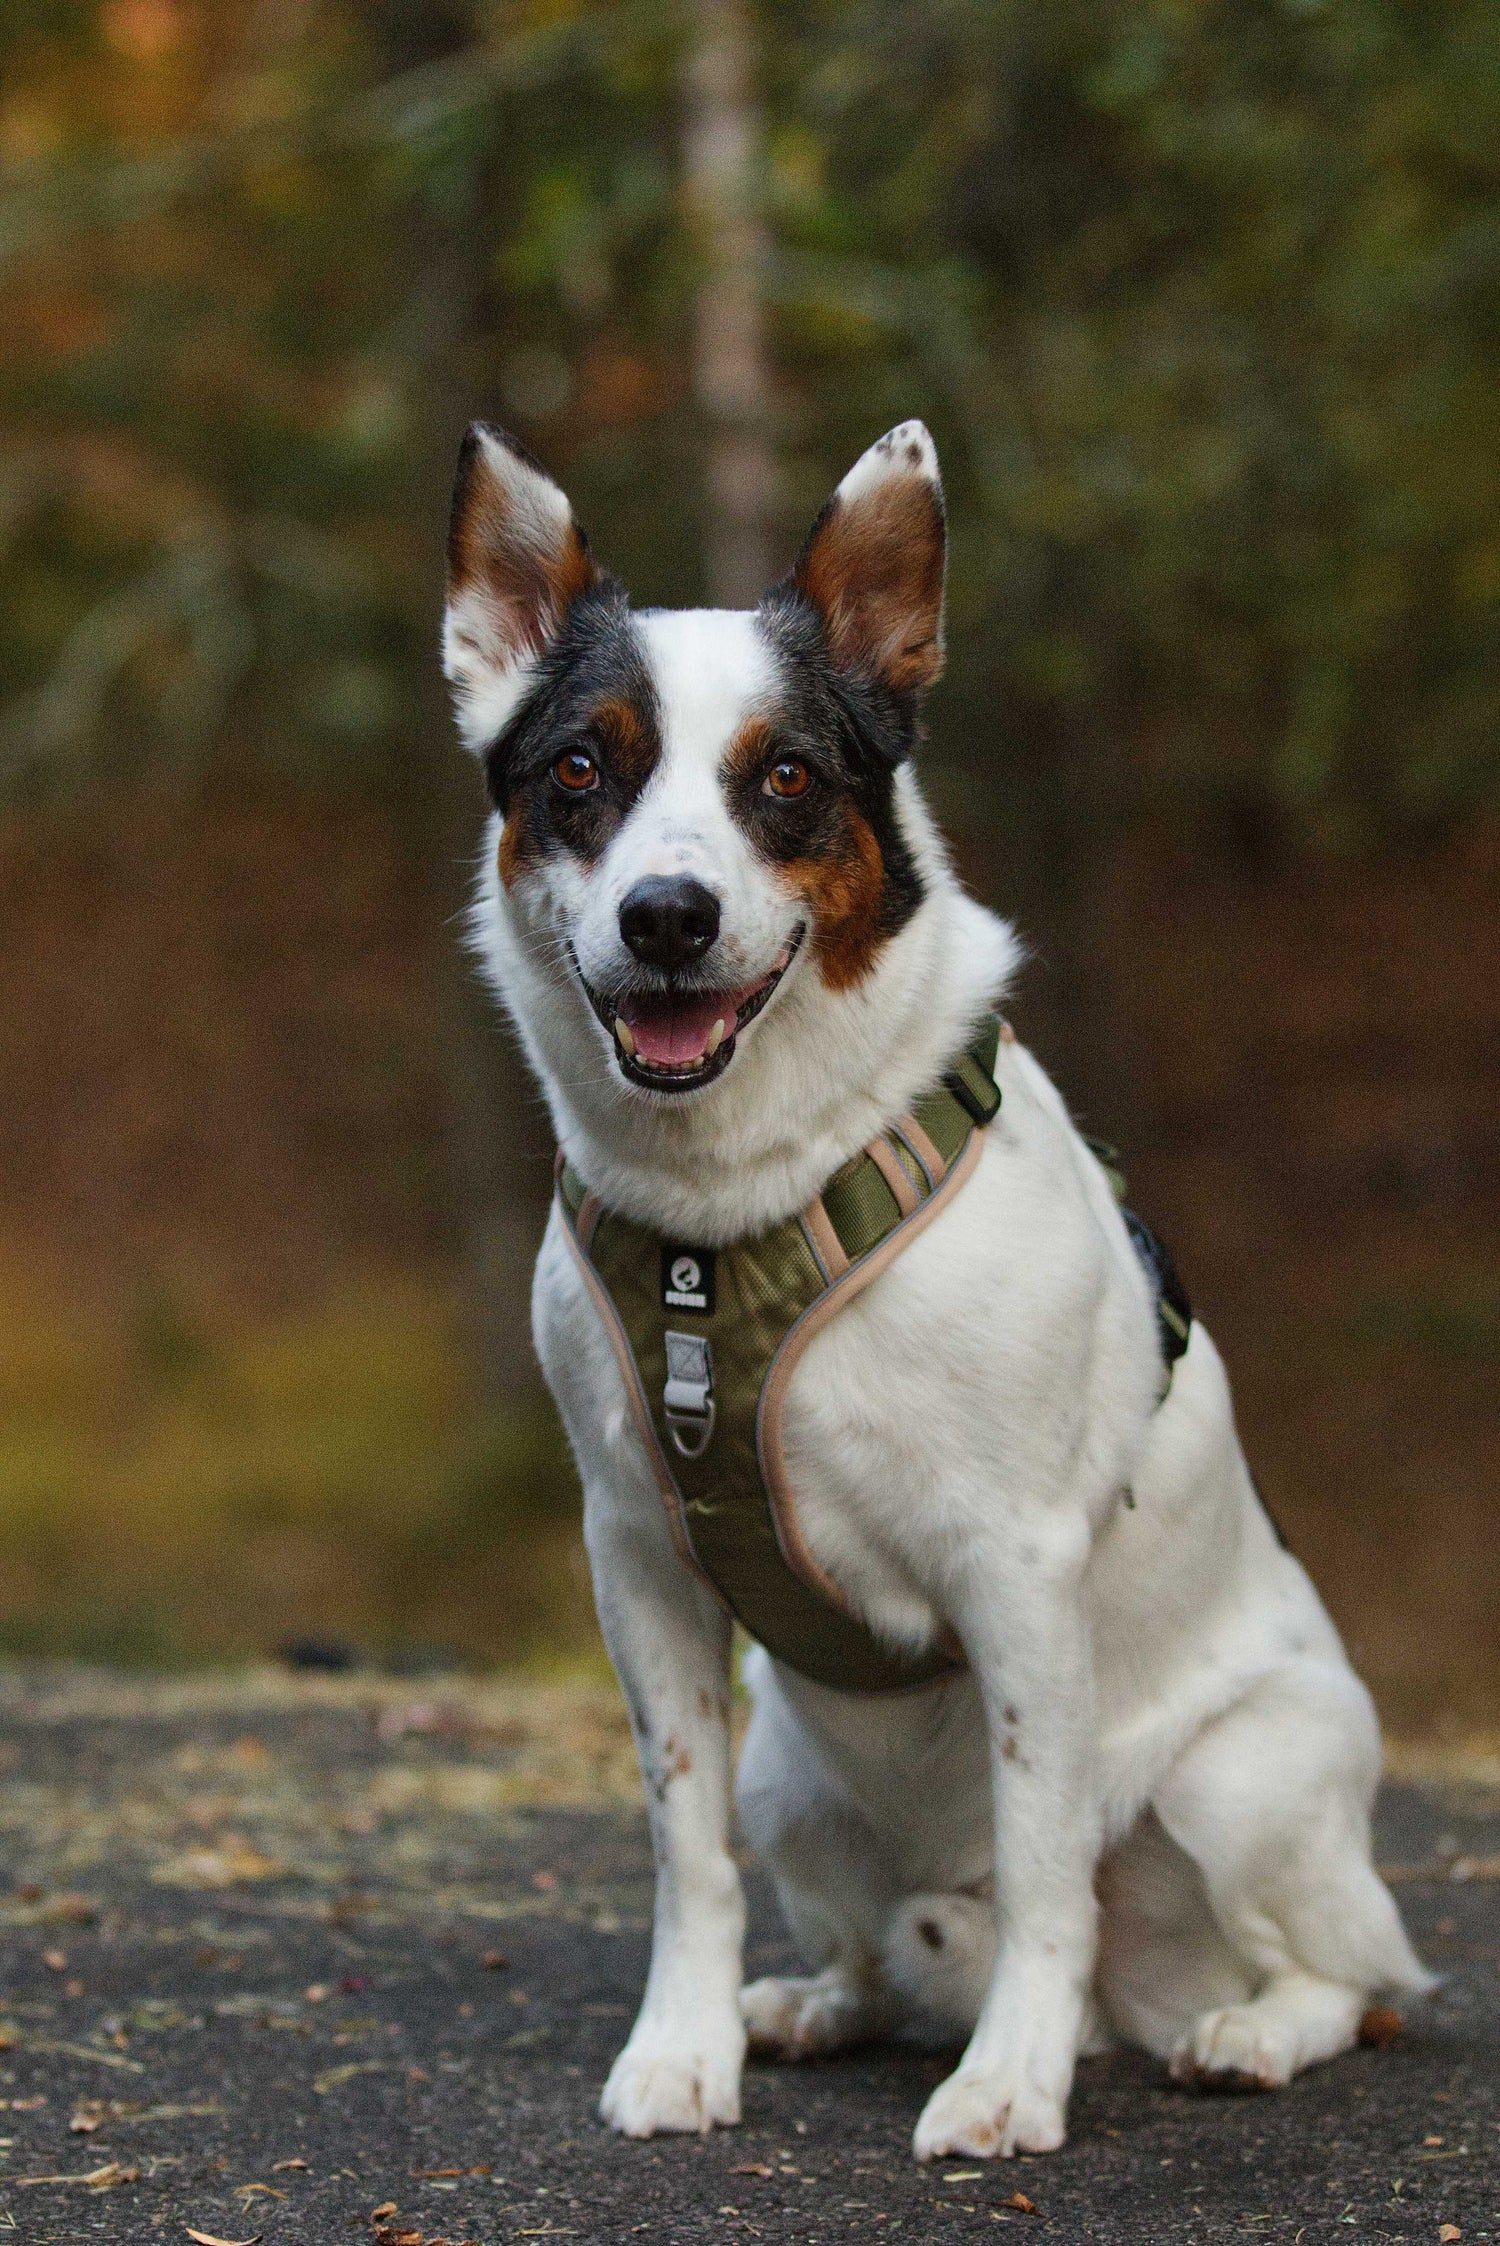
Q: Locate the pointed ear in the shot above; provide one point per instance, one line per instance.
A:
(873, 563)
(517, 561)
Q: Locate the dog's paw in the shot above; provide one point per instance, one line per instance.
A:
(688, 2084)
(805, 2019)
(989, 2116)
(1242, 2047)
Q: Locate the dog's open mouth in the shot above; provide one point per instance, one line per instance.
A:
(678, 1040)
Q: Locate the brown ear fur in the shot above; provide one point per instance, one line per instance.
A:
(873, 568)
(512, 541)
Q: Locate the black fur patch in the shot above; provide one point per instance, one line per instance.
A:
(593, 692)
(853, 732)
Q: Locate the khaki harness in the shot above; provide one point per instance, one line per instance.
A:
(707, 1342)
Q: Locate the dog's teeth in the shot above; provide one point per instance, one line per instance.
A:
(623, 1033)
(715, 1039)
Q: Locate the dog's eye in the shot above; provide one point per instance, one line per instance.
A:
(788, 778)
(576, 772)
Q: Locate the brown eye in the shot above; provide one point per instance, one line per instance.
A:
(576, 772)
(788, 778)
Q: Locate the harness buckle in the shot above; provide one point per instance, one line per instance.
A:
(688, 1398)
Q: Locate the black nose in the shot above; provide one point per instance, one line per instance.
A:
(669, 920)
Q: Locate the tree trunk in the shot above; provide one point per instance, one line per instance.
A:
(498, 1142)
(723, 133)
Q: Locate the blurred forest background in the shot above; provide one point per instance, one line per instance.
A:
(1201, 299)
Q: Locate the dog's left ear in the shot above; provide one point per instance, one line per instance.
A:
(873, 563)
(517, 561)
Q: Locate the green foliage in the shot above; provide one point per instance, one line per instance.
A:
(1201, 302)
(175, 1485)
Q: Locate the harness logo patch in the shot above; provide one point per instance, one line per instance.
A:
(687, 1279)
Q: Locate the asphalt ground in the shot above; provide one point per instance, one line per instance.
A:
(347, 1962)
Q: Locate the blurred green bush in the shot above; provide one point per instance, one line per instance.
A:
(172, 1487)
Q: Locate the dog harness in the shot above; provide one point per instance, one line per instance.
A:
(708, 1339)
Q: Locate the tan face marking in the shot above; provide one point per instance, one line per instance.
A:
(514, 856)
(843, 881)
(844, 885)
(630, 744)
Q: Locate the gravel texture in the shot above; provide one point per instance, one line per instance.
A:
(280, 1956)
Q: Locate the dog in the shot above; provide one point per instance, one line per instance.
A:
(723, 923)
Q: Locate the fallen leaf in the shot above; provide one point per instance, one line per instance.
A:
(1447, 2232)
(97, 2179)
(546, 1881)
(69, 1910)
(208, 2238)
(56, 1961)
(83, 2051)
(1432, 2140)
(315, 1993)
(90, 2113)
(278, 2165)
(1380, 2027)
(752, 2168)
(494, 1961)
(385, 2235)
(963, 2175)
(248, 2191)
(1020, 2202)
(331, 2077)
(386, 2207)
(233, 1864)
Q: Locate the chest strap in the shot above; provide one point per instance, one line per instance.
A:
(708, 1340)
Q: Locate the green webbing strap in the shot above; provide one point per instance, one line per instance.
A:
(759, 1293)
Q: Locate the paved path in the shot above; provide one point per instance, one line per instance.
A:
(277, 1956)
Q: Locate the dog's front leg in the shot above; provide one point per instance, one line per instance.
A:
(1024, 1627)
(669, 1640)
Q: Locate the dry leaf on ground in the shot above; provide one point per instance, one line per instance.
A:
(97, 2179)
(331, 2077)
(209, 2238)
(1380, 2027)
(233, 1864)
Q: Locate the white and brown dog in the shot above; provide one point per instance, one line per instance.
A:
(719, 914)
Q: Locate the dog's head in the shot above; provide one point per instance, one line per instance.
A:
(697, 804)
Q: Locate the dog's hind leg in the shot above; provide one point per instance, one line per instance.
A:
(833, 1888)
(1164, 1959)
(1271, 1801)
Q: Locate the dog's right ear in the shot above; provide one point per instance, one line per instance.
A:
(517, 561)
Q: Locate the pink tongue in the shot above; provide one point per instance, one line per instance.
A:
(675, 1030)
